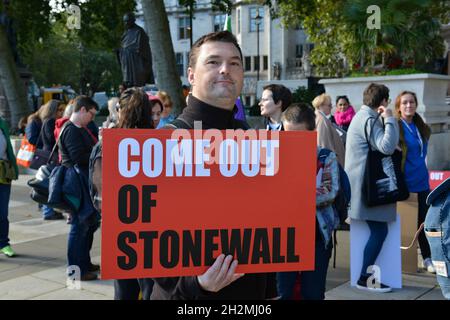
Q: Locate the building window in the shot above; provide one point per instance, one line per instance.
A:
(299, 50)
(253, 12)
(180, 63)
(219, 22)
(184, 28)
(238, 21)
(265, 62)
(248, 64)
(256, 63)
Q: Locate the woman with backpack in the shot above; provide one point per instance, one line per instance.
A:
(414, 136)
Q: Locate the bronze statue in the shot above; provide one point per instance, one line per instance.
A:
(134, 55)
(7, 23)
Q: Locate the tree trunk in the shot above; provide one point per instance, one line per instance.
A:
(163, 56)
(14, 89)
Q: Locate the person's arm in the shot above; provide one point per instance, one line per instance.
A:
(32, 131)
(384, 140)
(219, 275)
(49, 127)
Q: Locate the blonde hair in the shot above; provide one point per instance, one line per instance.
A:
(321, 99)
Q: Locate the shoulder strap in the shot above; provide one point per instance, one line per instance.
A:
(179, 123)
(371, 129)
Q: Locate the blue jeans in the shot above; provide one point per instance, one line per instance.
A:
(5, 192)
(312, 283)
(47, 211)
(378, 233)
(80, 240)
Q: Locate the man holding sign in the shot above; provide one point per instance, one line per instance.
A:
(199, 244)
(216, 75)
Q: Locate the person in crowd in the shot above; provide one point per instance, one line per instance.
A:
(327, 136)
(134, 112)
(111, 119)
(36, 120)
(39, 137)
(385, 140)
(216, 74)
(22, 125)
(75, 145)
(157, 108)
(8, 172)
(414, 136)
(344, 112)
(166, 115)
(301, 117)
(275, 99)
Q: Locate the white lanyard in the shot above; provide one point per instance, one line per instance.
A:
(419, 138)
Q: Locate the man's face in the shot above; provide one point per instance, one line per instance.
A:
(267, 105)
(218, 75)
(87, 116)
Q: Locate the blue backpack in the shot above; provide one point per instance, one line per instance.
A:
(437, 231)
(342, 200)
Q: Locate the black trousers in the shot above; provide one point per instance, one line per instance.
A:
(423, 209)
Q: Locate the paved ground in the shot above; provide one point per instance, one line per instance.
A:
(38, 271)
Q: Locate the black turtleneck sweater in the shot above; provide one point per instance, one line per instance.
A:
(210, 116)
(251, 286)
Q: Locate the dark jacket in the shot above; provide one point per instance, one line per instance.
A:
(32, 132)
(9, 149)
(250, 286)
(75, 146)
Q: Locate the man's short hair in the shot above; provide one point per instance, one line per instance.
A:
(298, 113)
(84, 101)
(374, 94)
(280, 92)
(220, 36)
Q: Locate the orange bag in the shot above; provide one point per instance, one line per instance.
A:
(26, 153)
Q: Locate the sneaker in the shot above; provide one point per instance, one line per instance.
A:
(93, 267)
(88, 276)
(428, 265)
(380, 288)
(8, 251)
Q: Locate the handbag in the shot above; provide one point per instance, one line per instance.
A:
(26, 153)
(41, 156)
(41, 182)
(383, 181)
(7, 172)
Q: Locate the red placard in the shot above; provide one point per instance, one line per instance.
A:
(437, 177)
(160, 222)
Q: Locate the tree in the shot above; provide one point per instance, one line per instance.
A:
(338, 28)
(162, 51)
(11, 83)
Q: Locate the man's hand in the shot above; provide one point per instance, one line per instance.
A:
(385, 112)
(220, 274)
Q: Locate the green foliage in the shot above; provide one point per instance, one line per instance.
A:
(410, 31)
(394, 72)
(302, 94)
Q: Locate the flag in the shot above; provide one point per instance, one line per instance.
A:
(240, 114)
